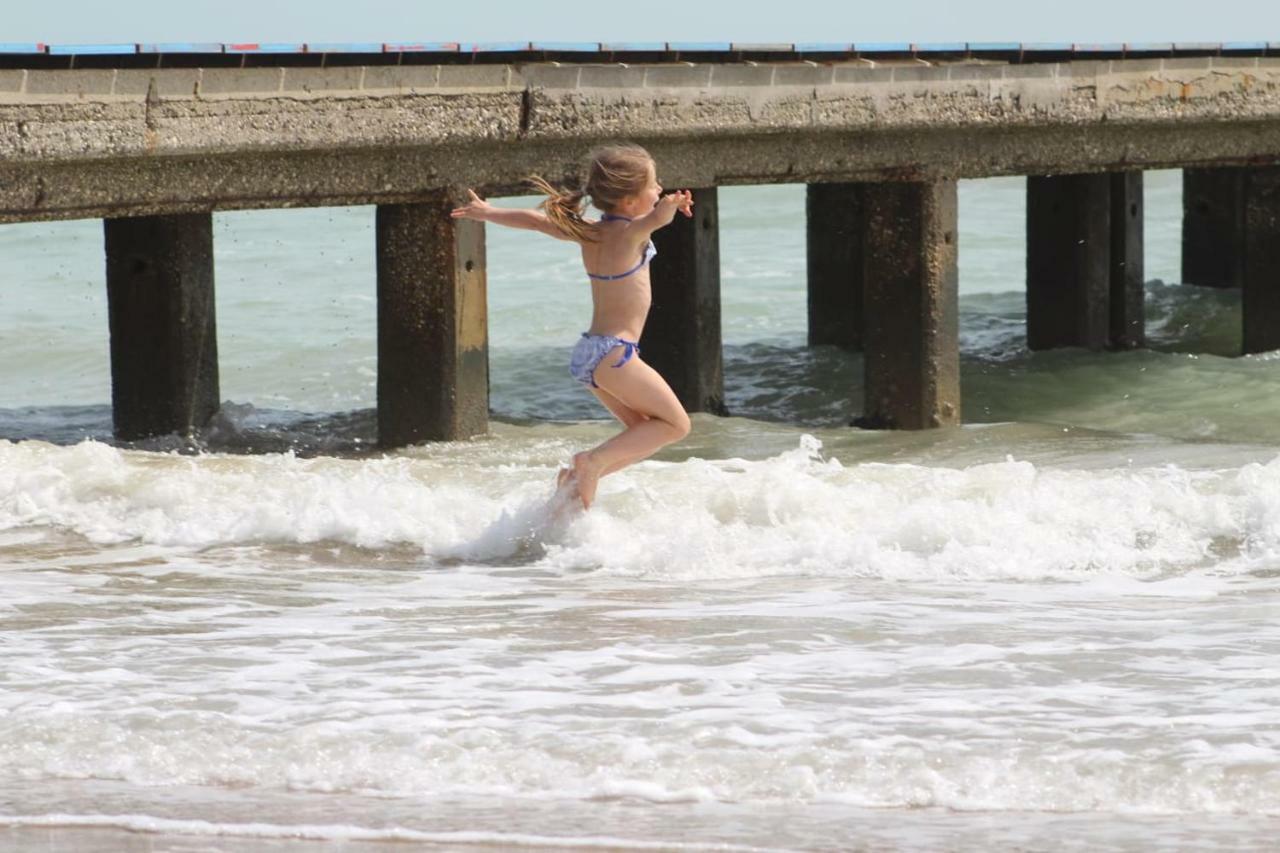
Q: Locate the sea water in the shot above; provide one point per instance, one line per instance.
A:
(1057, 627)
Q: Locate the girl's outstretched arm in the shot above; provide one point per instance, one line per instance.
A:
(663, 212)
(529, 220)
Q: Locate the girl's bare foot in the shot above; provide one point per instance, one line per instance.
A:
(586, 471)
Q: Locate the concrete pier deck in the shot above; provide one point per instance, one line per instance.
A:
(129, 141)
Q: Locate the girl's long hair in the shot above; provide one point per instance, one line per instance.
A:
(613, 173)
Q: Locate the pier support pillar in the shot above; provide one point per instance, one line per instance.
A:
(682, 335)
(164, 350)
(1068, 261)
(910, 297)
(833, 214)
(1261, 267)
(1213, 226)
(1231, 238)
(1128, 325)
(433, 350)
(1084, 261)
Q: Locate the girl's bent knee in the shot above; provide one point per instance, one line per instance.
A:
(681, 427)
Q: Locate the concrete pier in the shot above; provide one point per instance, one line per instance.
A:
(1261, 297)
(160, 309)
(833, 240)
(910, 298)
(682, 336)
(131, 141)
(433, 352)
(880, 137)
(1213, 226)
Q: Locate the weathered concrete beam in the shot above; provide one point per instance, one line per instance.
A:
(682, 335)
(1213, 227)
(1127, 327)
(1261, 297)
(115, 142)
(433, 352)
(88, 114)
(911, 305)
(160, 310)
(316, 178)
(833, 222)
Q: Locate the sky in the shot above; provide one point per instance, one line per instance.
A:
(1093, 21)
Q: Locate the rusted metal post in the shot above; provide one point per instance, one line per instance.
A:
(910, 305)
(1261, 267)
(1128, 325)
(164, 349)
(833, 219)
(1068, 261)
(1213, 226)
(681, 338)
(433, 351)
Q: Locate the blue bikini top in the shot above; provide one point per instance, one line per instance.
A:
(649, 252)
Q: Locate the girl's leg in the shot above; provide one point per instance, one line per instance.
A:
(629, 417)
(619, 409)
(640, 389)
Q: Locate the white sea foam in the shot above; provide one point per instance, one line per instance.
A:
(695, 758)
(733, 643)
(797, 513)
(781, 636)
(341, 832)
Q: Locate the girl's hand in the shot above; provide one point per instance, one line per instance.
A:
(681, 200)
(477, 208)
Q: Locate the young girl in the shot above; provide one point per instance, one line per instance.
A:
(616, 250)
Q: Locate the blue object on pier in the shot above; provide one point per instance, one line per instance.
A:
(421, 47)
(882, 47)
(941, 47)
(824, 47)
(567, 46)
(92, 49)
(370, 47)
(995, 47)
(23, 48)
(700, 46)
(254, 47)
(180, 47)
(634, 46)
(1047, 47)
(1249, 46)
(493, 47)
(1149, 47)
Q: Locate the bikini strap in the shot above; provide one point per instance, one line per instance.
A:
(646, 254)
(636, 268)
(629, 348)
